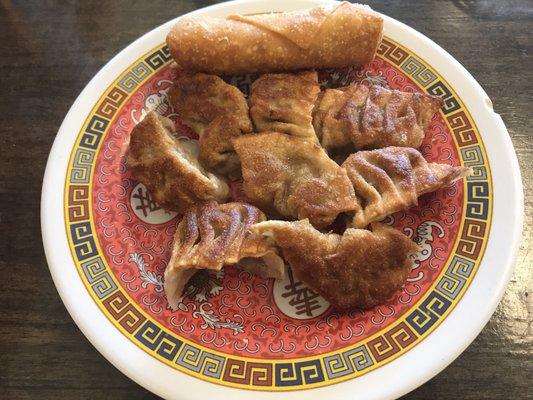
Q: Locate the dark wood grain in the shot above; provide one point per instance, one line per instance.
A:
(49, 50)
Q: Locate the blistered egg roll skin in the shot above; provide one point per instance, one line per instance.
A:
(337, 35)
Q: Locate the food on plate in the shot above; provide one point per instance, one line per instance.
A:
(212, 235)
(280, 142)
(216, 111)
(293, 178)
(368, 117)
(330, 36)
(284, 103)
(169, 168)
(359, 268)
(391, 179)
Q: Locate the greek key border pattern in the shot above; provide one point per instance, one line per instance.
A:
(258, 374)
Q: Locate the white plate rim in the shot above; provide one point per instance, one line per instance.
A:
(428, 358)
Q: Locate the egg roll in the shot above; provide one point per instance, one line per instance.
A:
(330, 36)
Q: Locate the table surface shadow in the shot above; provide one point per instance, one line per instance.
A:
(49, 50)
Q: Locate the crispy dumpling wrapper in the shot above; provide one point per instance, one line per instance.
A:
(211, 236)
(169, 168)
(369, 117)
(391, 179)
(360, 268)
(216, 111)
(284, 103)
(293, 177)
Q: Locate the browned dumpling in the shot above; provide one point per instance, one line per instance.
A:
(169, 167)
(293, 178)
(216, 111)
(360, 269)
(370, 117)
(391, 179)
(211, 236)
(284, 103)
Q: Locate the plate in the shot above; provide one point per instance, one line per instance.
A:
(107, 243)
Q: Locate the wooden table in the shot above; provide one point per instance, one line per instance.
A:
(48, 53)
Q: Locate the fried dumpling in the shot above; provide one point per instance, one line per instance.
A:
(284, 103)
(391, 179)
(212, 235)
(370, 117)
(360, 269)
(216, 111)
(294, 178)
(169, 167)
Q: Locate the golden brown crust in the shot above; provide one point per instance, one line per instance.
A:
(332, 36)
(212, 235)
(216, 111)
(216, 149)
(330, 128)
(169, 168)
(364, 117)
(360, 269)
(284, 103)
(391, 179)
(293, 177)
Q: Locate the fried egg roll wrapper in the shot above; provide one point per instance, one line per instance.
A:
(333, 36)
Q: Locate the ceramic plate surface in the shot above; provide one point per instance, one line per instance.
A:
(107, 244)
